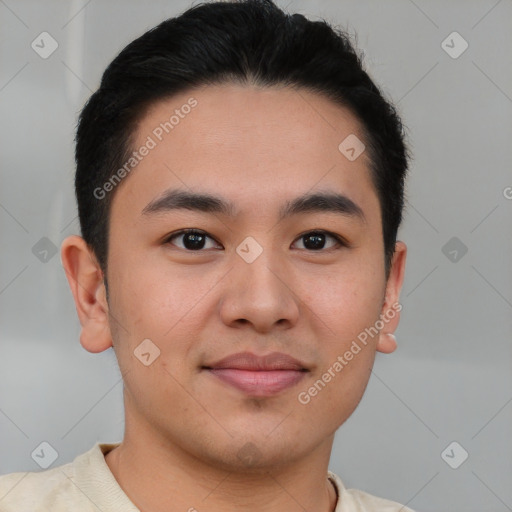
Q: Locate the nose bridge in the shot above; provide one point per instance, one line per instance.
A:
(259, 291)
(259, 267)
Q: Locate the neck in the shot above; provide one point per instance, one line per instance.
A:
(160, 476)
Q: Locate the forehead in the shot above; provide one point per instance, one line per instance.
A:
(258, 146)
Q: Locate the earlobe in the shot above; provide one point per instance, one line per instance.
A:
(386, 343)
(87, 285)
(390, 313)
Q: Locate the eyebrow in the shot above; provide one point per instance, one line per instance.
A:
(175, 199)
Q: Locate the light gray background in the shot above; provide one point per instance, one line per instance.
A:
(449, 380)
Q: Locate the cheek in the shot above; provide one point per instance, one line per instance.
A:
(348, 305)
(157, 301)
(348, 299)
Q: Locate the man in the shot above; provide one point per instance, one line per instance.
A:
(240, 185)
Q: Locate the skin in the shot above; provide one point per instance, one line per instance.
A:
(257, 147)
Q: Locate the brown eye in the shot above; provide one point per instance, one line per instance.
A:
(197, 240)
(316, 240)
(191, 239)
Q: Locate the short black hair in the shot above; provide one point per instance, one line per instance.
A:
(245, 42)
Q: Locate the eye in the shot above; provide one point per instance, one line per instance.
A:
(193, 239)
(315, 240)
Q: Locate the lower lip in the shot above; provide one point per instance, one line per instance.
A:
(259, 383)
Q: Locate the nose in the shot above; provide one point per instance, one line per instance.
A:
(262, 294)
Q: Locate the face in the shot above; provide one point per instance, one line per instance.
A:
(264, 275)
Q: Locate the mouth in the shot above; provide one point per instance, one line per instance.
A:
(258, 376)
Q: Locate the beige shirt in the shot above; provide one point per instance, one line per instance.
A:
(88, 485)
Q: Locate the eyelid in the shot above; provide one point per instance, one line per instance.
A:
(341, 241)
(185, 231)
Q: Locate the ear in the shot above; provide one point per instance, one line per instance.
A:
(85, 279)
(391, 309)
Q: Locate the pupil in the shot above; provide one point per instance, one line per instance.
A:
(196, 239)
(318, 240)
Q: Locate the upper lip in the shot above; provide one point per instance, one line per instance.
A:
(250, 361)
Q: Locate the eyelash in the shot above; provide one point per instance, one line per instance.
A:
(340, 240)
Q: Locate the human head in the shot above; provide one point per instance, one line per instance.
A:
(260, 144)
(251, 41)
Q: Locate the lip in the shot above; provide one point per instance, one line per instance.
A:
(259, 375)
(250, 361)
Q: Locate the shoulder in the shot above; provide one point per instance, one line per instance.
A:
(354, 500)
(30, 490)
(78, 485)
